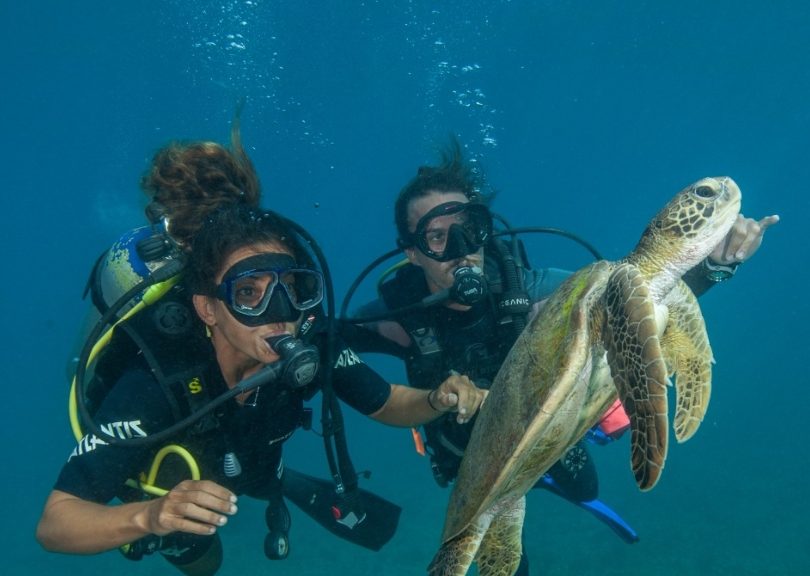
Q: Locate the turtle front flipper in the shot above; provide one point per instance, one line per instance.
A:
(638, 369)
(689, 355)
(501, 547)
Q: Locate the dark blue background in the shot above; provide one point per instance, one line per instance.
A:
(585, 115)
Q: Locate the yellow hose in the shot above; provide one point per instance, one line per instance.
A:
(147, 482)
(150, 296)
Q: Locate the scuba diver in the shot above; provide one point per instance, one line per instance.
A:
(220, 366)
(463, 296)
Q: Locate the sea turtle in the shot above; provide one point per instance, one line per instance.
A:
(612, 327)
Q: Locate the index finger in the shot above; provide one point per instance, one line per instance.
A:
(768, 221)
(206, 489)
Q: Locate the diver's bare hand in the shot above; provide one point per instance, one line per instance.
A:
(743, 240)
(193, 506)
(458, 394)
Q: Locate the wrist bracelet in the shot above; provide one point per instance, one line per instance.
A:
(431, 403)
(718, 272)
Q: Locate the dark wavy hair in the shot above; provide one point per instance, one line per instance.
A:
(233, 227)
(187, 181)
(452, 174)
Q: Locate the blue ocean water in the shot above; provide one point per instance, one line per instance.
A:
(584, 115)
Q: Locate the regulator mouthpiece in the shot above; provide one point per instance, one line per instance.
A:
(299, 361)
(469, 285)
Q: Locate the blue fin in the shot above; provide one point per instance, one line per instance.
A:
(599, 509)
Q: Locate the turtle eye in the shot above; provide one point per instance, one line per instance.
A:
(705, 191)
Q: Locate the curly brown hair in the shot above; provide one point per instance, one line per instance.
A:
(188, 181)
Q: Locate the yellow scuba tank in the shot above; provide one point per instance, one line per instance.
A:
(129, 261)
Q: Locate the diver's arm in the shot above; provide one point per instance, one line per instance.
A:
(378, 337)
(384, 335)
(408, 406)
(72, 525)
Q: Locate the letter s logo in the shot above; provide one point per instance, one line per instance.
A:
(194, 385)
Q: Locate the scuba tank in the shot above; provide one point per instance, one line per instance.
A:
(128, 262)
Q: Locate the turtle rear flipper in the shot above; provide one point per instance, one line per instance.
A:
(638, 369)
(501, 548)
(689, 355)
(456, 554)
(493, 540)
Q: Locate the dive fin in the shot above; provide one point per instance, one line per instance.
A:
(362, 518)
(599, 509)
(611, 518)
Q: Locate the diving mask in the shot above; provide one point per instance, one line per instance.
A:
(269, 288)
(452, 230)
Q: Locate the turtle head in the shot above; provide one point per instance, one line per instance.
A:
(687, 229)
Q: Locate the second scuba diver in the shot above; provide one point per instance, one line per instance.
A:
(462, 298)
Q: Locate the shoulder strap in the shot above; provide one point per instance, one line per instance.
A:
(173, 343)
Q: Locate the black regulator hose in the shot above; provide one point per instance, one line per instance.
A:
(444, 295)
(469, 287)
(334, 435)
(359, 280)
(267, 374)
(555, 231)
(514, 296)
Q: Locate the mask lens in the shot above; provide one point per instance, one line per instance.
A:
(251, 292)
(438, 229)
(303, 287)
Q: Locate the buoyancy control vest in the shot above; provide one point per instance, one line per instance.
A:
(473, 343)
